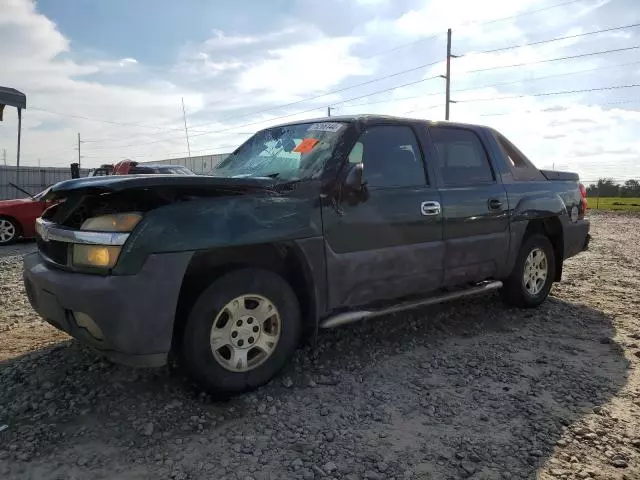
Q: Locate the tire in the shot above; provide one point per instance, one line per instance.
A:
(520, 289)
(9, 231)
(266, 303)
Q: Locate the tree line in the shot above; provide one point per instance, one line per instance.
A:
(607, 187)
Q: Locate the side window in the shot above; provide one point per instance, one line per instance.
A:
(462, 159)
(515, 158)
(355, 156)
(390, 156)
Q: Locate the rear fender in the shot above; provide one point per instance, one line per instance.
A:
(547, 213)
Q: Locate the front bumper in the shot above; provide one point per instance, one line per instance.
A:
(134, 314)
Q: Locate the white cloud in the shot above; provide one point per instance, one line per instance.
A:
(438, 15)
(221, 41)
(314, 66)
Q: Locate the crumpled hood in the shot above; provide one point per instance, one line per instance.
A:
(186, 183)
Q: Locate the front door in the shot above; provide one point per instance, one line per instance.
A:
(390, 244)
(475, 208)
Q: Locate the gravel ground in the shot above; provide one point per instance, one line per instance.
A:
(468, 390)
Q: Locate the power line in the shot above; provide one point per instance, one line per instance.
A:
(518, 15)
(430, 78)
(556, 39)
(546, 94)
(421, 109)
(498, 114)
(496, 20)
(380, 91)
(304, 100)
(290, 114)
(120, 139)
(333, 92)
(570, 57)
(101, 120)
(512, 82)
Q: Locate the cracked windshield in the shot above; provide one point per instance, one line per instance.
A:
(319, 240)
(290, 152)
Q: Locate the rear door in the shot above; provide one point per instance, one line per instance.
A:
(475, 207)
(389, 245)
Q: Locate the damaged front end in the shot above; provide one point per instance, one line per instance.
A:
(98, 221)
(113, 254)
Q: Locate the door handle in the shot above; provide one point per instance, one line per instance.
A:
(430, 208)
(495, 204)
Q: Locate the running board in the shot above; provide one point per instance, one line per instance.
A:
(350, 317)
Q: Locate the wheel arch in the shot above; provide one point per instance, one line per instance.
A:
(286, 259)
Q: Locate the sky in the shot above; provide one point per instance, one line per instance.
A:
(118, 71)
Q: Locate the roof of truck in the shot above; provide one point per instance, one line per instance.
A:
(365, 118)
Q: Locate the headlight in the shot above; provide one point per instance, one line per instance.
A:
(104, 256)
(119, 222)
(96, 256)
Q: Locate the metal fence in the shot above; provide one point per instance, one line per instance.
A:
(32, 179)
(36, 179)
(200, 165)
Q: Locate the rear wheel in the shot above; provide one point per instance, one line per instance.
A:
(9, 231)
(241, 331)
(532, 277)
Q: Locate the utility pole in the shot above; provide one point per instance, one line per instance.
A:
(79, 142)
(186, 131)
(18, 151)
(4, 156)
(447, 77)
(328, 111)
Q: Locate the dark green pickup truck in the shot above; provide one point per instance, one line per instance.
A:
(306, 225)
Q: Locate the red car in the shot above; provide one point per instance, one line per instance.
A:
(18, 217)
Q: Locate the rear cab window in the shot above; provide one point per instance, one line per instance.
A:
(461, 157)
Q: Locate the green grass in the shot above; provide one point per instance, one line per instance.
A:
(631, 204)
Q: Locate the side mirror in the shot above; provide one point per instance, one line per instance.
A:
(355, 186)
(355, 178)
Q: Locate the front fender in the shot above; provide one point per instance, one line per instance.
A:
(220, 222)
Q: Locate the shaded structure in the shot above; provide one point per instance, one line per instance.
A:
(13, 98)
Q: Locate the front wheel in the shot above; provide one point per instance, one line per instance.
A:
(241, 331)
(9, 231)
(532, 277)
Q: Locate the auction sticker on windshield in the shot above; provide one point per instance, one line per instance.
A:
(306, 145)
(326, 127)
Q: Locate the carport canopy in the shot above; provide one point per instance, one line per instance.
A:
(13, 98)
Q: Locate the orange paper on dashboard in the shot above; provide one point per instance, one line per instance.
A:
(306, 145)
